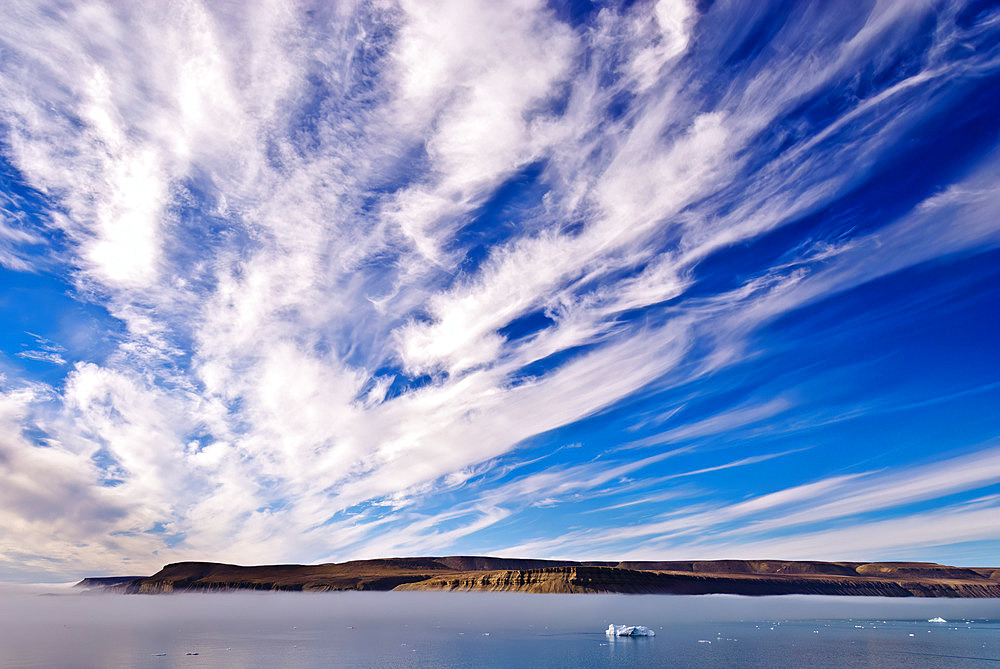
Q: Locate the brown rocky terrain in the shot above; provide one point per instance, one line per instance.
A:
(470, 573)
(102, 583)
(618, 580)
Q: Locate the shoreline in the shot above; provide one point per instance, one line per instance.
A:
(487, 574)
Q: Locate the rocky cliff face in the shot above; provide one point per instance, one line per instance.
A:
(615, 580)
(358, 575)
(106, 583)
(464, 573)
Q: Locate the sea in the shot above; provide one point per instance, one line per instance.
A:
(452, 630)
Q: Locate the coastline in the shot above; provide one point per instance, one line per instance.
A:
(487, 574)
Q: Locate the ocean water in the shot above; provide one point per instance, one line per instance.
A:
(358, 629)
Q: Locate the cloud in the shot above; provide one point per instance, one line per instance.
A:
(49, 495)
(729, 420)
(340, 330)
(48, 351)
(763, 524)
(43, 356)
(899, 537)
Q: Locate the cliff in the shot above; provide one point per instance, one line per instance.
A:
(618, 580)
(488, 574)
(103, 583)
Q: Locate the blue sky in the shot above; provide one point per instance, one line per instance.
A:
(299, 283)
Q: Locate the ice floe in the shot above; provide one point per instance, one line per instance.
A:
(629, 630)
(939, 619)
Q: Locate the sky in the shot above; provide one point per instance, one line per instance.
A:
(308, 282)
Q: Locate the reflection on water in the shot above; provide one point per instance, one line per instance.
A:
(468, 630)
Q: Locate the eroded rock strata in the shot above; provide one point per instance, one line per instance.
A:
(487, 574)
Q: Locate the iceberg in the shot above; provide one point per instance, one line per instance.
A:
(629, 630)
(939, 619)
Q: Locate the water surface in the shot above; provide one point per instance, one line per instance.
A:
(416, 629)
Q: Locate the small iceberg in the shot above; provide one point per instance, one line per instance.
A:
(629, 630)
(939, 619)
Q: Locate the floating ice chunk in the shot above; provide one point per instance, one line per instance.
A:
(629, 630)
(939, 619)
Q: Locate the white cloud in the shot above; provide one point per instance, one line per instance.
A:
(47, 351)
(43, 356)
(268, 199)
(897, 538)
(51, 507)
(471, 75)
(771, 524)
(729, 420)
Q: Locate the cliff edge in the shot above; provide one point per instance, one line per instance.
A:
(489, 574)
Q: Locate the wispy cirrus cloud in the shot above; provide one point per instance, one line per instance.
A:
(762, 523)
(363, 261)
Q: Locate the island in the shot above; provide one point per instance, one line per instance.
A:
(492, 574)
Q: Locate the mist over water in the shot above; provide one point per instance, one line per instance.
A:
(478, 629)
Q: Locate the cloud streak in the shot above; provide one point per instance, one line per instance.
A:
(364, 268)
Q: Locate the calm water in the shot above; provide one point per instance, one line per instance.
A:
(481, 630)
